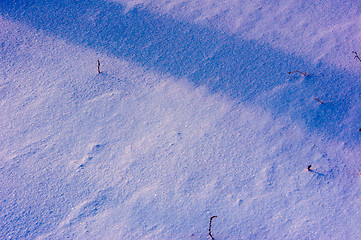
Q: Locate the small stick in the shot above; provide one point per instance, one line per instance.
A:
(309, 168)
(304, 73)
(210, 226)
(98, 66)
(317, 99)
(356, 56)
(360, 129)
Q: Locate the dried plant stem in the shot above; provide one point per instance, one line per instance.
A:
(304, 73)
(317, 99)
(356, 55)
(98, 66)
(210, 226)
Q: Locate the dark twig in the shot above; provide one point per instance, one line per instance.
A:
(356, 56)
(98, 66)
(314, 172)
(317, 99)
(210, 226)
(304, 73)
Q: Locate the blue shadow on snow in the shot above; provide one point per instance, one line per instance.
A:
(241, 69)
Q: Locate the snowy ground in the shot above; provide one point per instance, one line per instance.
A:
(193, 115)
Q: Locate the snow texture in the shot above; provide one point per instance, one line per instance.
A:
(194, 114)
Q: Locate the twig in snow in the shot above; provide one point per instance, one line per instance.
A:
(98, 66)
(210, 226)
(313, 171)
(304, 73)
(309, 168)
(356, 56)
(317, 99)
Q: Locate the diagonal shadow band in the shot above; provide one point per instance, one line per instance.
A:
(156, 41)
(224, 63)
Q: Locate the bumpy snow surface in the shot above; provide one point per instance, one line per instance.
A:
(194, 114)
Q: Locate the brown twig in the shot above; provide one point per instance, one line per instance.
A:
(314, 171)
(98, 66)
(304, 73)
(356, 55)
(210, 226)
(317, 99)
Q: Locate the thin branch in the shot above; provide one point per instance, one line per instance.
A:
(317, 99)
(314, 172)
(210, 227)
(304, 73)
(356, 56)
(98, 66)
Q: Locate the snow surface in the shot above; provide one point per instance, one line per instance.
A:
(193, 115)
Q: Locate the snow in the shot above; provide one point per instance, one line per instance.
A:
(193, 115)
(311, 29)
